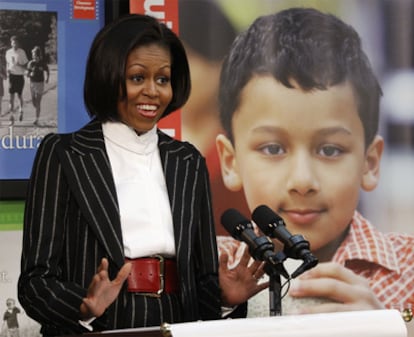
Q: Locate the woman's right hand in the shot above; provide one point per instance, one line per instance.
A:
(102, 291)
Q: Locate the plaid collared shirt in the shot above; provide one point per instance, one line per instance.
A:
(385, 259)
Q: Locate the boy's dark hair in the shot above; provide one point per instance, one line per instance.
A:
(105, 82)
(314, 49)
(212, 43)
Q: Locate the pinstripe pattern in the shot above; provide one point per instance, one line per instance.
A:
(72, 221)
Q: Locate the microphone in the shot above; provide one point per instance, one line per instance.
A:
(260, 247)
(295, 246)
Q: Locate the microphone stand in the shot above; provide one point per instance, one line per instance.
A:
(275, 283)
(275, 270)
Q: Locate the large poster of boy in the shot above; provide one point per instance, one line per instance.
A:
(316, 114)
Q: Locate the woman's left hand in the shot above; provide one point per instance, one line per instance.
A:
(240, 283)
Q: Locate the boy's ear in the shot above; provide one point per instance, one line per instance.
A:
(373, 156)
(226, 153)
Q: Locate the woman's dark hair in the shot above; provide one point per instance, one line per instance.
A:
(305, 46)
(105, 82)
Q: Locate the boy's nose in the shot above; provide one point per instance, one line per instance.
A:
(302, 177)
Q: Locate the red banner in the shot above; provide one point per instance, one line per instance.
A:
(167, 12)
(164, 10)
(84, 9)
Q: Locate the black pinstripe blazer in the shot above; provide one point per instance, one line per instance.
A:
(72, 221)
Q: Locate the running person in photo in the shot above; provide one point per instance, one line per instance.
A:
(38, 72)
(16, 59)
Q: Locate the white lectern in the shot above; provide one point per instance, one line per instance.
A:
(372, 323)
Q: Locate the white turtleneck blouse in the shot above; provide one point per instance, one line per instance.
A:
(145, 210)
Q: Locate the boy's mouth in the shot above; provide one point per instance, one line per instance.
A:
(301, 217)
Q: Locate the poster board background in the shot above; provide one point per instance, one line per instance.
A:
(207, 28)
(387, 31)
(65, 29)
(386, 28)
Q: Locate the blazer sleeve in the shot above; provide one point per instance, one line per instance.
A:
(209, 293)
(41, 289)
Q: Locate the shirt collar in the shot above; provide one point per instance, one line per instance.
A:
(126, 137)
(365, 243)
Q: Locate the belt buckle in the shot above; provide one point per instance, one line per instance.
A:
(162, 273)
(161, 276)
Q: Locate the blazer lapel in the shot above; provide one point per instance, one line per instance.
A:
(175, 159)
(88, 169)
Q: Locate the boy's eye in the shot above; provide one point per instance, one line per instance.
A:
(272, 149)
(330, 151)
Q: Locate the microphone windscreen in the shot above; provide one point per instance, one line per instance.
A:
(231, 218)
(263, 216)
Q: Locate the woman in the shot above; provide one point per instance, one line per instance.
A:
(38, 73)
(121, 190)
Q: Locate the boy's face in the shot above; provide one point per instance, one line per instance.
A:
(302, 154)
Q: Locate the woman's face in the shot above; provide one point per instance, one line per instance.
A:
(35, 56)
(148, 86)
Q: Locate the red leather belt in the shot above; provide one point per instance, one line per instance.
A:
(153, 275)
